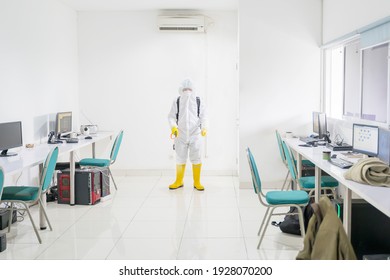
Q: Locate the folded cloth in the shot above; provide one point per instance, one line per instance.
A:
(371, 171)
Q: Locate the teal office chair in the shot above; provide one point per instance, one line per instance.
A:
(308, 183)
(282, 156)
(275, 199)
(32, 194)
(306, 163)
(98, 162)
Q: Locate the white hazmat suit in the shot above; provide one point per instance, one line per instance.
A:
(191, 122)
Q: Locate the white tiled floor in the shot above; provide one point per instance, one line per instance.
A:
(145, 220)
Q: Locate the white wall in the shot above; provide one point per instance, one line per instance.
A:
(279, 78)
(341, 17)
(38, 68)
(38, 63)
(130, 74)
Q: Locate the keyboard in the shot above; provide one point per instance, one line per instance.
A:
(72, 140)
(308, 139)
(340, 163)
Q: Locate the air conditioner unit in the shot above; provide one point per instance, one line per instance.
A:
(190, 23)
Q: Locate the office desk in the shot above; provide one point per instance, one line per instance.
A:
(379, 197)
(28, 158)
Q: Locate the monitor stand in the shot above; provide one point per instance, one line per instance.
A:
(5, 153)
(324, 141)
(64, 135)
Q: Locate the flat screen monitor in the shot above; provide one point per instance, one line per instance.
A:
(322, 126)
(365, 139)
(316, 128)
(10, 137)
(63, 123)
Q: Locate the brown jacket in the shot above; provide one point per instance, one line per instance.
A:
(325, 237)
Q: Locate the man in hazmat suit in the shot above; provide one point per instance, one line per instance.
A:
(188, 122)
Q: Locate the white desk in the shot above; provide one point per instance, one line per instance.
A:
(379, 197)
(28, 158)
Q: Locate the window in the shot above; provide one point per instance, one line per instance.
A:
(356, 81)
(374, 83)
(334, 59)
(352, 80)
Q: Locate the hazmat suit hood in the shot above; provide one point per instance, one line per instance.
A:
(186, 87)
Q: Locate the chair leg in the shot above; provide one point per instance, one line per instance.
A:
(112, 177)
(265, 227)
(285, 180)
(301, 223)
(10, 217)
(262, 223)
(45, 214)
(334, 193)
(33, 224)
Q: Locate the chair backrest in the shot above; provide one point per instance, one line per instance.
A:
(254, 172)
(48, 169)
(1, 181)
(290, 162)
(115, 147)
(279, 139)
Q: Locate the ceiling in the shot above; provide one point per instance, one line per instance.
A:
(128, 5)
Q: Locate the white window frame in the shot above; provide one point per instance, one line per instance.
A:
(326, 74)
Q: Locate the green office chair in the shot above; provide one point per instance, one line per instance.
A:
(98, 162)
(32, 194)
(306, 163)
(275, 199)
(308, 183)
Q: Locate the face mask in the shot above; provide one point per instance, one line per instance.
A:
(188, 92)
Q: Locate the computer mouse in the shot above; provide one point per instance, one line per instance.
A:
(334, 156)
(88, 137)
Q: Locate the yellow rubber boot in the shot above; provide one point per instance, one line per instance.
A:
(180, 169)
(196, 173)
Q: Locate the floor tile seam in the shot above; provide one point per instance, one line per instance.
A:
(285, 246)
(240, 217)
(90, 238)
(135, 214)
(56, 239)
(185, 224)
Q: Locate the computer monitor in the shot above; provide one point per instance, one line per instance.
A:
(316, 128)
(365, 139)
(63, 123)
(10, 137)
(322, 127)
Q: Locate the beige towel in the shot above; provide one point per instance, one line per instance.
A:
(371, 171)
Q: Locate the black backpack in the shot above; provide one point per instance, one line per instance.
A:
(178, 106)
(290, 224)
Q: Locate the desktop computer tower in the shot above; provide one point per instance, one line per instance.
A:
(63, 188)
(105, 182)
(3, 242)
(87, 186)
(370, 228)
(4, 218)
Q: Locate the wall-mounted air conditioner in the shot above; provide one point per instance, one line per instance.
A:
(189, 23)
